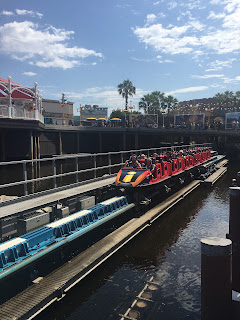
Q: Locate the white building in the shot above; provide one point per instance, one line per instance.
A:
(56, 113)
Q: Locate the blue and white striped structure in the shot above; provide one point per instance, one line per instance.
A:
(18, 252)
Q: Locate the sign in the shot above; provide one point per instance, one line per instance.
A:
(187, 120)
(232, 120)
(143, 120)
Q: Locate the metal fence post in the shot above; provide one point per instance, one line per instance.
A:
(109, 163)
(76, 162)
(25, 178)
(54, 173)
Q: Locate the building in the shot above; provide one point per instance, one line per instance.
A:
(57, 113)
(89, 112)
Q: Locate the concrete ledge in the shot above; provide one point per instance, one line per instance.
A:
(215, 176)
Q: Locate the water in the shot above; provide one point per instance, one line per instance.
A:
(168, 251)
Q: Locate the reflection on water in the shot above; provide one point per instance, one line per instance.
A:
(169, 251)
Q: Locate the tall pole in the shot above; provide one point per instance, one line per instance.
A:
(36, 94)
(80, 110)
(63, 100)
(9, 96)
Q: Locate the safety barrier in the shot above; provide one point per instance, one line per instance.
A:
(100, 165)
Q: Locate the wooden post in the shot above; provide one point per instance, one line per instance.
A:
(31, 145)
(2, 146)
(216, 278)
(100, 142)
(238, 179)
(60, 143)
(78, 143)
(234, 234)
(124, 141)
(39, 157)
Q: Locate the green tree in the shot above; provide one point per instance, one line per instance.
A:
(117, 114)
(228, 97)
(126, 89)
(146, 103)
(158, 101)
(170, 102)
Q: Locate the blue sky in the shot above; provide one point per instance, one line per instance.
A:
(187, 48)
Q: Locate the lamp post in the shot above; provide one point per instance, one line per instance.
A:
(125, 111)
(194, 109)
(210, 111)
(63, 102)
(80, 112)
(163, 112)
(36, 94)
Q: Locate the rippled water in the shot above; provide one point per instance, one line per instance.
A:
(168, 251)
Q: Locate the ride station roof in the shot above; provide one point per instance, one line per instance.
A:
(19, 91)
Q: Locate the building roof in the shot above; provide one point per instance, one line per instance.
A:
(19, 92)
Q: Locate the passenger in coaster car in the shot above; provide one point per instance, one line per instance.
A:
(156, 158)
(150, 166)
(132, 162)
(168, 156)
(180, 154)
(142, 159)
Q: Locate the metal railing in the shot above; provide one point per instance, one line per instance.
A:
(81, 168)
(19, 113)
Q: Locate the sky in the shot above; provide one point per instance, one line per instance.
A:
(189, 48)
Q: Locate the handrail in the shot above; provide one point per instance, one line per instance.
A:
(25, 181)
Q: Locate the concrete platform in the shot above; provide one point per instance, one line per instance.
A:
(215, 176)
(30, 302)
(222, 164)
(44, 199)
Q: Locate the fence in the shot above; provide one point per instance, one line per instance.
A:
(51, 173)
(19, 113)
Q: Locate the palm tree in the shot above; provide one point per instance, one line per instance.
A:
(237, 97)
(220, 99)
(171, 102)
(126, 89)
(228, 97)
(146, 103)
(158, 101)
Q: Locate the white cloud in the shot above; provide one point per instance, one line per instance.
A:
(141, 59)
(172, 5)
(7, 13)
(29, 74)
(150, 18)
(25, 41)
(196, 25)
(220, 64)
(208, 76)
(123, 6)
(28, 12)
(229, 80)
(160, 60)
(221, 37)
(189, 89)
(167, 40)
(213, 15)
